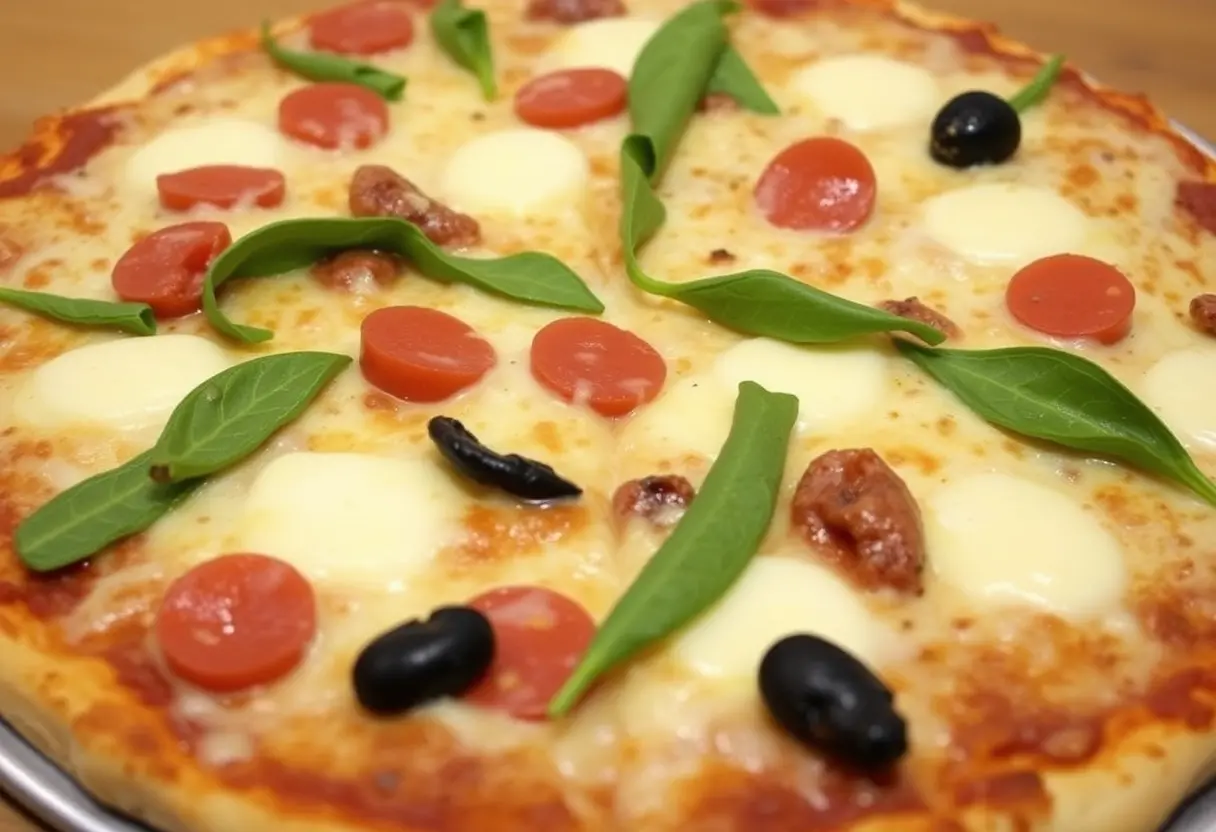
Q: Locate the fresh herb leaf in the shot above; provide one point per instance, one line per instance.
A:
(464, 34)
(1039, 85)
(136, 318)
(94, 513)
(322, 66)
(708, 549)
(232, 414)
(732, 76)
(1062, 398)
(529, 277)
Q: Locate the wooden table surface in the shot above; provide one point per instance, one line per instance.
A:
(56, 52)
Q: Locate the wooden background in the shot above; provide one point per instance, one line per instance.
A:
(57, 52)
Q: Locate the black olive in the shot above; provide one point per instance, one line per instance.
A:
(827, 699)
(511, 473)
(424, 660)
(975, 128)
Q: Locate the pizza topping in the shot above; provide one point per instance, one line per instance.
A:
(915, 310)
(421, 661)
(320, 66)
(1174, 388)
(1203, 313)
(379, 191)
(539, 637)
(464, 34)
(334, 115)
(661, 499)
(574, 11)
(236, 621)
(867, 91)
(1199, 200)
(709, 548)
(547, 173)
(611, 43)
(733, 79)
(857, 512)
(166, 269)
(223, 186)
(511, 473)
(821, 184)
(827, 699)
(422, 355)
(995, 222)
(136, 318)
(219, 140)
(1073, 296)
(571, 97)
(351, 270)
(592, 362)
(362, 28)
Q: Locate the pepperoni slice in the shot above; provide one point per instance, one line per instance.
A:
(362, 28)
(422, 355)
(236, 621)
(220, 185)
(166, 269)
(571, 97)
(539, 637)
(586, 359)
(1073, 296)
(820, 184)
(333, 115)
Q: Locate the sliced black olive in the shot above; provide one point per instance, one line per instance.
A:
(975, 128)
(511, 473)
(830, 701)
(420, 661)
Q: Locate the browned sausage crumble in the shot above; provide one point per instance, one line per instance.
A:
(719, 256)
(574, 11)
(717, 102)
(1203, 313)
(350, 268)
(379, 191)
(659, 499)
(1199, 200)
(913, 309)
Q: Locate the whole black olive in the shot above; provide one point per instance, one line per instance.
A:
(511, 473)
(827, 699)
(424, 660)
(975, 128)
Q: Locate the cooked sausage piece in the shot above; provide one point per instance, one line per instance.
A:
(858, 513)
(348, 270)
(1199, 200)
(379, 191)
(717, 102)
(574, 11)
(1203, 313)
(658, 499)
(913, 309)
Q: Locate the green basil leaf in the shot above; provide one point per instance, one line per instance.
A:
(1039, 85)
(136, 318)
(464, 34)
(732, 76)
(709, 548)
(92, 514)
(1062, 398)
(529, 277)
(322, 66)
(231, 415)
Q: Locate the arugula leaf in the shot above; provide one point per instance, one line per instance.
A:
(322, 66)
(232, 414)
(1039, 85)
(709, 548)
(528, 277)
(732, 76)
(135, 318)
(464, 34)
(1062, 398)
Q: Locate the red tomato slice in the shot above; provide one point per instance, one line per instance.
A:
(1073, 296)
(539, 637)
(166, 269)
(821, 184)
(586, 359)
(334, 115)
(236, 621)
(422, 355)
(220, 185)
(571, 97)
(362, 28)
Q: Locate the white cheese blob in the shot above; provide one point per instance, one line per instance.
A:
(351, 517)
(219, 141)
(868, 92)
(612, 43)
(515, 172)
(124, 384)
(999, 222)
(1179, 388)
(691, 418)
(777, 597)
(1003, 539)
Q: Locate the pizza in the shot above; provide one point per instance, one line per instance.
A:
(612, 415)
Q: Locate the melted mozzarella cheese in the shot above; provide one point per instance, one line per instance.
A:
(612, 43)
(220, 141)
(868, 92)
(1177, 389)
(351, 517)
(125, 384)
(1004, 539)
(1004, 222)
(515, 172)
(690, 419)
